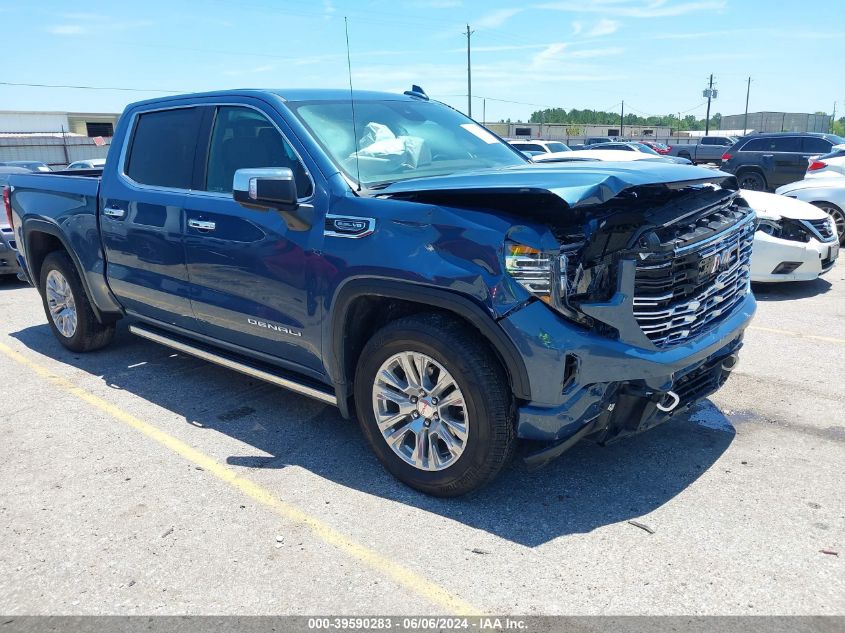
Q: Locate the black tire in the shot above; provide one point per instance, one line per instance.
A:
(838, 216)
(687, 156)
(752, 180)
(89, 334)
(487, 396)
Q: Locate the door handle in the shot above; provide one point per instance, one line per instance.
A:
(202, 225)
(114, 212)
(768, 155)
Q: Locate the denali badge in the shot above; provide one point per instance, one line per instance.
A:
(271, 326)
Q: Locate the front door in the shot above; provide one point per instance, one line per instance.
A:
(790, 161)
(253, 271)
(141, 215)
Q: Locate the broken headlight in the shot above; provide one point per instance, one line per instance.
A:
(785, 229)
(531, 268)
(551, 276)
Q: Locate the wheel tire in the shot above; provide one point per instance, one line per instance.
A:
(752, 180)
(88, 334)
(838, 216)
(687, 156)
(477, 373)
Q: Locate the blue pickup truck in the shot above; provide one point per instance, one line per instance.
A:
(402, 263)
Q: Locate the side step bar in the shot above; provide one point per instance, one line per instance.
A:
(230, 363)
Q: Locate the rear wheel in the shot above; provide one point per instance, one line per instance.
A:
(838, 218)
(435, 405)
(68, 310)
(752, 180)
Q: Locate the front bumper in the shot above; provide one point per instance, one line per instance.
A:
(815, 258)
(577, 376)
(8, 254)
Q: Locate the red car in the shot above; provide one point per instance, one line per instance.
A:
(660, 148)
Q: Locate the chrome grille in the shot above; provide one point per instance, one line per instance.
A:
(823, 228)
(678, 294)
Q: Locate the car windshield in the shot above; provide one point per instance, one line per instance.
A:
(836, 139)
(558, 147)
(399, 140)
(642, 147)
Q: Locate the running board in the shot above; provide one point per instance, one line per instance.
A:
(230, 363)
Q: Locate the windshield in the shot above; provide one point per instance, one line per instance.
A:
(645, 149)
(398, 140)
(836, 139)
(558, 147)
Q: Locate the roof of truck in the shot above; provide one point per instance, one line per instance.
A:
(293, 95)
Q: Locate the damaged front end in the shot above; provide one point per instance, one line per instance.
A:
(648, 286)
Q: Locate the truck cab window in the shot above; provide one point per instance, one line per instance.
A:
(243, 138)
(162, 149)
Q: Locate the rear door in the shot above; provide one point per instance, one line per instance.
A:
(790, 162)
(141, 214)
(254, 272)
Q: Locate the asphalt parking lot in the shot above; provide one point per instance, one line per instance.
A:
(136, 480)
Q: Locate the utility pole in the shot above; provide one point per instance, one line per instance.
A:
(484, 111)
(469, 74)
(622, 121)
(745, 121)
(833, 117)
(710, 94)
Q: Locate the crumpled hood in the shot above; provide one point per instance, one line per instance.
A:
(578, 183)
(771, 206)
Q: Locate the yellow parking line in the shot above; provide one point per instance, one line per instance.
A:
(405, 577)
(812, 337)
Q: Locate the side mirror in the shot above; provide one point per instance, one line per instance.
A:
(265, 187)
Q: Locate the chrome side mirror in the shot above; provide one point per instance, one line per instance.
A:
(265, 187)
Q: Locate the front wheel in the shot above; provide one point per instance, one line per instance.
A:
(838, 218)
(435, 405)
(68, 310)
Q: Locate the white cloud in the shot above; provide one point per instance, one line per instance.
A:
(436, 4)
(603, 27)
(328, 9)
(620, 8)
(250, 71)
(66, 29)
(497, 18)
(551, 53)
(577, 27)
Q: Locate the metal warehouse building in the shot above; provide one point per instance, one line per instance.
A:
(81, 123)
(778, 122)
(56, 138)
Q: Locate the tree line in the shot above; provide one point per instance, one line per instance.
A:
(598, 117)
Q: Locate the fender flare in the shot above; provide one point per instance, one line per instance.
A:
(42, 226)
(424, 295)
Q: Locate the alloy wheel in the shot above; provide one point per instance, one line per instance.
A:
(61, 303)
(420, 411)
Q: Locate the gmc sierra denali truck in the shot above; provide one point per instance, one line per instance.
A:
(401, 263)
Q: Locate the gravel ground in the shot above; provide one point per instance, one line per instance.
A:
(135, 480)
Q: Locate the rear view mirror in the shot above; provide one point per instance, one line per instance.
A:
(265, 187)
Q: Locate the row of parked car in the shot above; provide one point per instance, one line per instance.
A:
(38, 166)
(801, 226)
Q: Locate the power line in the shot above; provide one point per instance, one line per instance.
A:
(28, 85)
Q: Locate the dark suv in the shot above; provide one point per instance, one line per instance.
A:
(766, 161)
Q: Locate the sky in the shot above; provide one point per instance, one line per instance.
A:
(656, 55)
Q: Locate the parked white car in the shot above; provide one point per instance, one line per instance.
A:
(614, 155)
(795, 241)
(826, 165)
(828, 194)
(540, 146)
(88, 163)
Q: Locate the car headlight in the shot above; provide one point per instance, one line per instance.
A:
(556, 277)
(785, 229)
(531, 268)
